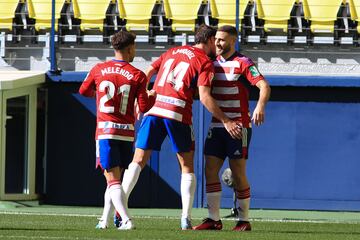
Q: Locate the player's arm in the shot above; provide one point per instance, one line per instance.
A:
(255, 78)
(149, 72)
(204, 85)
(145, 98)
(153, 69)
(87, 88)
(258, 116)
(209, 102)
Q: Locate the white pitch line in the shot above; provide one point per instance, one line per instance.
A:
(171, 217)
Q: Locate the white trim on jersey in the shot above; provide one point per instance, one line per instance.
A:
(227, 76)
(115, 137)
(171, 100)
(113, 125)
(225, 90)
(97, 148)
(165, 113)
(230, 64)
(228, 103)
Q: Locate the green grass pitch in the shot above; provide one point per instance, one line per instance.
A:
(78, 223)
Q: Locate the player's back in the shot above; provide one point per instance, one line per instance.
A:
(180, 70)
(117, 84)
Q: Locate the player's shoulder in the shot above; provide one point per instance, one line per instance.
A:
(135, 71)
(243, 60)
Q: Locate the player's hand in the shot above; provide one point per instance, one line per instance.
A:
(137, 113)
(234, 129)
(258, 116)
(151, 93)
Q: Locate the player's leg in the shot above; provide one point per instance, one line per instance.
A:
(187, 186)
(242, 188)
(131, 176)
(103, 221)
(116, 191)
(214, 159)
(150, 136)
(183, 143)
(237, 164)
(115, 156)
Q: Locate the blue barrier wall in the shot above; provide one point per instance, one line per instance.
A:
(306, 156)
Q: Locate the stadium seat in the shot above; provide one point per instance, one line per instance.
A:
(354, 6)
(322, 14)
(275, 13)
(41, 11)
(355, 12)
(7, 14)
(225, 11)
(92, 13)
(137, 13)
(182, 13)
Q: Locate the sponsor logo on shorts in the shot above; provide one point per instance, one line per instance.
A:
(237, 152)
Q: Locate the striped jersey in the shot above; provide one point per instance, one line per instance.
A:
(116, 84)
(180, 71)
(233, 76)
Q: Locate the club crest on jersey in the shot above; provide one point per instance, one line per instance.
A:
(254, 71)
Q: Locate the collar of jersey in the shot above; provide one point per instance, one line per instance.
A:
(229, 58)
(119, 60)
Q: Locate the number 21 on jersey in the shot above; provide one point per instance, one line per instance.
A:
(175, 76)
(123, 90)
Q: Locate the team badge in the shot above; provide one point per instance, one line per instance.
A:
(254, 71)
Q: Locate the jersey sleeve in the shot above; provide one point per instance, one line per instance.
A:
(144, 102)
(87, 88)
(252, 73)
(206, 75)
(157, 63)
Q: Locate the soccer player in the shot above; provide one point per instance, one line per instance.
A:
(117, 84)
(233, 73)
(180, 71)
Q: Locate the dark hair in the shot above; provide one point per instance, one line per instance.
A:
(228, 29)
(122, 39)
(204, 33)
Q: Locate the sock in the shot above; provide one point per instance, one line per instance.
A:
(243, 199)
(131, 177)
(107, 206)
(188, 185)
(118, 199)
(213, 196)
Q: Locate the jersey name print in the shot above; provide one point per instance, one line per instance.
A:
(118, 85)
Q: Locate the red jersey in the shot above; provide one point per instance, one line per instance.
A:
(230, 87)
(180, 71)
(117, 84)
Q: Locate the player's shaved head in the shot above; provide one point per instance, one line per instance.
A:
(122, 40)
(228, 29)
(204, 33)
